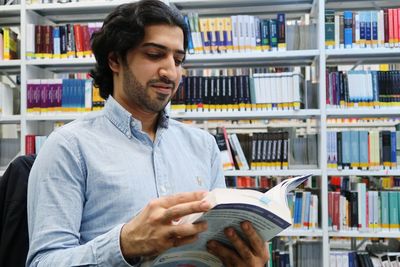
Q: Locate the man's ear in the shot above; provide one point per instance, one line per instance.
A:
(113, 62)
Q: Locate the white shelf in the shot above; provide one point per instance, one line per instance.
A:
(380, 234)
(58, 117)
(247, 114)
(61, 62)
(10, 119)
(298, 232)
(10, 63)
(10, 10)
(297, 57)
(362, 55)
(363, 112)
(364, 173)
(273, 172)
(76, 11)
(362, 124)
(360, 4)
(232, 7)
(76, 6)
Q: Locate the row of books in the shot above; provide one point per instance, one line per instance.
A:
(362, 210)
(337, 183)
(9, 45)
(6, 99)
(257, 152)
(60, 41)
(261, 91)
(362, 88)
(267, 151)
(304, 209)
(340, 258)
(241, 33)
(374, 149)
(263, 183)
(62, 95)
(360, 29)
(33, 143)
(390, 259)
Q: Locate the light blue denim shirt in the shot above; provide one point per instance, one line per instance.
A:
(96, 173)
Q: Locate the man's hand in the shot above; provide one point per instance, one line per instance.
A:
(254, 254)
(153, 230)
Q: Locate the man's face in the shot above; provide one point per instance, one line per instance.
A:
(153, 70)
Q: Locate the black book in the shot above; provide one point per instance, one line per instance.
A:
(339, 150)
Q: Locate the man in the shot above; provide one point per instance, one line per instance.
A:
(105, 189)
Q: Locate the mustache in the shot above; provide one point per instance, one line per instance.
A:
(165, 81)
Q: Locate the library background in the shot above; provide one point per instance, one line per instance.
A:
(287, 87)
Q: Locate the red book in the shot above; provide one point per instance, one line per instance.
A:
(87, 51)
(336, 211)
(78, 35)
(395, 26)
(48, 41)
(391, 24)
(38, 33)
(30, 144)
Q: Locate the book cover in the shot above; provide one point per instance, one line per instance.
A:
(268, 212)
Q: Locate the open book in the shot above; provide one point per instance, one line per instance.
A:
(268, 212)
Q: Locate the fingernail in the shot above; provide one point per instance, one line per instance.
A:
(229, 232)
(246, 226)
(211, 245)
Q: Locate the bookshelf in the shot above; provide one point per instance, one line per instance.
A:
(320, 58)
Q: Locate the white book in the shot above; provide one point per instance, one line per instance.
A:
(371, 204)
(296, 91)
(30, 41)
(235, 33)
(238, 147)
(361, 198)
(268, 90)
(356, 42)
(381, 28)
(337, 31)
(6, 99)
(269, 213)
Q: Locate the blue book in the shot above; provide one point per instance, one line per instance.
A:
(368, 29)
(346, 158)
(363, 148)
(374, 24)
(393, 150)
(190, 41)
(375, 88)
(348, 29)
(354, 153)
(265, 35)
(56, 42)
(273, 34)
(362, 28)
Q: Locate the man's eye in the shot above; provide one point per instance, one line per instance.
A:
(178, 62)
(153, 55)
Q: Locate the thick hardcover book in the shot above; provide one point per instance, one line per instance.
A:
(269, 213)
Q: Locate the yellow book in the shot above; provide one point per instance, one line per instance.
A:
(203, 22)
(228, 34)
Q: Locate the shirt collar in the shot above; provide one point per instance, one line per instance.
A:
(124, 120)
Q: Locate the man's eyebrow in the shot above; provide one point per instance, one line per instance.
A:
(179, 51)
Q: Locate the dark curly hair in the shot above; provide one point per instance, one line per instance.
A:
(122, 30)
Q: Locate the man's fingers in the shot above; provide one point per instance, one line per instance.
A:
(169, 201)
(180, 210)
(185, 240)
(256, 243)
(226, 255)
(184, 230)
(240, 246)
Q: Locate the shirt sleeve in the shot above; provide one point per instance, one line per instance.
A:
(217, 173)
(56, 197)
